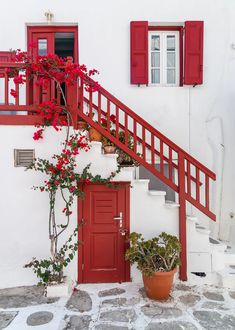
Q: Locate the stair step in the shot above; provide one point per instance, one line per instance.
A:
(142, 181)
(203, 230)
(192, 218)
(227, 276)
(171, 205)
(217, 245)
(114, 156)
(156, 193)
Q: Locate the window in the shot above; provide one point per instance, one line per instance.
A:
(166, 55)
(164, 58)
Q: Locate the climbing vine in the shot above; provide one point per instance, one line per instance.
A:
(61, 171)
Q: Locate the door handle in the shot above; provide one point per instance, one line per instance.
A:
(119, 219)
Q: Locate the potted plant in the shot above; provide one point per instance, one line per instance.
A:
(81, 124)
(108, 146)
(94, 135)
(123, 158)
(157, 259)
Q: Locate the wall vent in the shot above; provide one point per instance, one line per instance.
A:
(23, 157)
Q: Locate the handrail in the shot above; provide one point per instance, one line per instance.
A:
(134, 115)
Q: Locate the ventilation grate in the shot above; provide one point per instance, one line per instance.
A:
(23, 157)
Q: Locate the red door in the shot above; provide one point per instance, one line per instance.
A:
(60, 40)
(106, 214)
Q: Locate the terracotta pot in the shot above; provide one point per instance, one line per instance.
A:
(109, 149)
(94, 135)
(158, 286)
(82, 125)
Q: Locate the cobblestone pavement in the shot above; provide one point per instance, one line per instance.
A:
(118, 307)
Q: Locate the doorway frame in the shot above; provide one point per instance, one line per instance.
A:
(52, 28)
(80, 208)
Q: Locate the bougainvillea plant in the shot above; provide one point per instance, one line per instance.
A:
(61, 170)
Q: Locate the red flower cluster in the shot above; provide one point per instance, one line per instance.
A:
(38, 134)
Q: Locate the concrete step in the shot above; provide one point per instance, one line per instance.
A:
(227, 277)
(171, 205)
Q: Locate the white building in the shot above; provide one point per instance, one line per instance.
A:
(173, 64)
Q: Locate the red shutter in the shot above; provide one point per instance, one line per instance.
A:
(139, 52)
(193, 53)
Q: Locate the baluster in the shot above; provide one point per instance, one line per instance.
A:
(161, 157)
(58, 95)
(108, 114)
(134, 136)
(143, 144)
(188, 178)
(207, 192)
(6, 89)
(117, 122)
(90, 105)
(170, 166)
(99, 108)
(152, 150)
(126, 129)
(17, 94)
(197, 185)
(81, 96)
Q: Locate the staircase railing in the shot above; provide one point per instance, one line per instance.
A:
(185, 175)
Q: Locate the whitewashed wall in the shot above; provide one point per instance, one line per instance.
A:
(199, 119)
(24, 212)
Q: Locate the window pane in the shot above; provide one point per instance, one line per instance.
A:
(155, 59)
(170, 42)
(64, 44)
(155, 43)
(170, 60)
(42, 47)
(170, 76)
(155, 76)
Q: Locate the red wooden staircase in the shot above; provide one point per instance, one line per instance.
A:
(189, 178)
(186, 175)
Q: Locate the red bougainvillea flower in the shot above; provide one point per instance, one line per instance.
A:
(38, 134)
(113, 118)
(20, 79)
(13, 93)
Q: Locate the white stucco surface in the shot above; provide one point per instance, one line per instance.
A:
(199, 119)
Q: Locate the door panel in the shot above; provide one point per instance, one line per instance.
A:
(103, 248)
(43, 45)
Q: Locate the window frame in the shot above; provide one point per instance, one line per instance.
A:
(170, 29)
(163, 58)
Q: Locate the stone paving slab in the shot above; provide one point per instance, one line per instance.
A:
(171, 326)
(6, 318)
(39, 318)
(75, 322)
(80, 301)
(118, 307)
(24, 296)
(214, 320)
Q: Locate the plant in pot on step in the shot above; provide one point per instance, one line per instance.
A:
(108, 146)
(157, 259)
(123, 158)
(82, 125)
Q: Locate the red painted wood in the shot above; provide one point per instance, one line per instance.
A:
(103, 250)
(139, 52)
(182, 218)
(193, 53)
